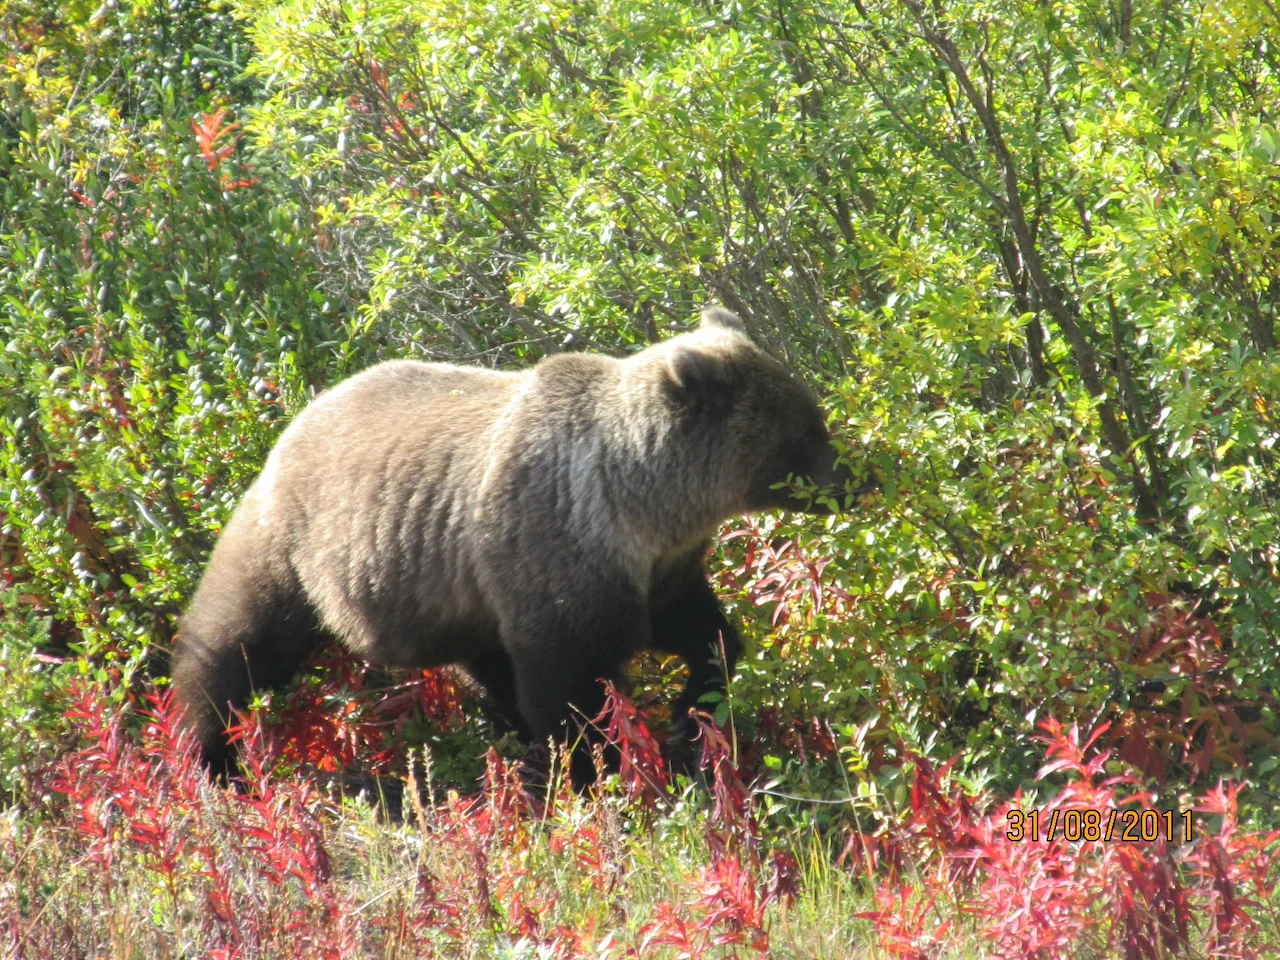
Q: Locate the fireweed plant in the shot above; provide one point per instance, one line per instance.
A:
(139, 854)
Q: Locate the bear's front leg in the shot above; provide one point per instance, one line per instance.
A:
(690, 624)
(494, 673)
(560, 660)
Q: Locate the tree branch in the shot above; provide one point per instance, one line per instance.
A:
(1063, 311)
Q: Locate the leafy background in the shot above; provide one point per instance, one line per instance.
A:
(1027, 252)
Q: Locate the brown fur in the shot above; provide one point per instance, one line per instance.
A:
(537, 528)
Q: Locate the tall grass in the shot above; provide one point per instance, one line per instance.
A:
(138, 855)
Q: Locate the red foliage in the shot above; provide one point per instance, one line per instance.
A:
(1050, 896)
(209, 130)
(904, 925)
(257, 859)
(731, 900)
(729, 909)
(1206, 724)
(340, 723)
(151, 796)
(640, 762)
(783, 885)
(781, 572)
(732, 824)
(1209, 725)
(811, 740)
(1228, 865)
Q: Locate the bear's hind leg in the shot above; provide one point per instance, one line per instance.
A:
(561, 705)
(236, 638)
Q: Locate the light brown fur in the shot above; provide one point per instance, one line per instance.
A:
(537, 528)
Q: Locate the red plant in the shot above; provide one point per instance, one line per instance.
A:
(732, 822)
(1235, 868)
(1039, 892)
(731, 900)
(811, 740)
(729, 909)
(248, 868)
(1206, 726)
(671, 929)
(150, 796)
(783, 573)
(640, 763)
(783, 885)
(340, 723)
(585, 846)
(903, 923)
(209, 130)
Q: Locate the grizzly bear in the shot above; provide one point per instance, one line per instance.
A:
(536, 529)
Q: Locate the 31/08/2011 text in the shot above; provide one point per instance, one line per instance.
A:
(1106, 825)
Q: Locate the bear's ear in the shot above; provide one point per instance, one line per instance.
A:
(720, 318)
(699, 378)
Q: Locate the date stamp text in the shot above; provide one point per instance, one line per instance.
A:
(1134, 826)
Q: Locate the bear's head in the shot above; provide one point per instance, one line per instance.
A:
(758, 417)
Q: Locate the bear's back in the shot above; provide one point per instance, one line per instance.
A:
(390, 405)
(370, 485)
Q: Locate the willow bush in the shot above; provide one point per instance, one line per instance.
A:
(1027, 252)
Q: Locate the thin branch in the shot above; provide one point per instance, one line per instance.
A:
(1063, 311)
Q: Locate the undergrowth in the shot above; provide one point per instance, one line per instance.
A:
(134, 853)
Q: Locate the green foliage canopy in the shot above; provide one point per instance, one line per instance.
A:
(1028, 249)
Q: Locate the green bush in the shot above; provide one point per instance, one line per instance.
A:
(160, 317)
(1028, 254)
(33, 688)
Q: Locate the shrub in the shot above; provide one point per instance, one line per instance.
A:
(1133, 881)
